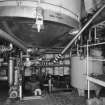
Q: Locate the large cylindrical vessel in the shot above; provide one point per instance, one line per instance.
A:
(78, 73)
(60, 11)
(60, 16)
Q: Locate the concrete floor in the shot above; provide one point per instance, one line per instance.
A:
(52, 99)
(56, 98)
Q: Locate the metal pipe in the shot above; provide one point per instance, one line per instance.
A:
(101, 60)
(11, 71)
(50, 84)
(87, 70)
(12, 39)
(96, 44)
(20, 92)
(80, 32)
(95, 31)
(90, 37)
(16, 77)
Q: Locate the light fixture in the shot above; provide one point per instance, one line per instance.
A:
(39, 18)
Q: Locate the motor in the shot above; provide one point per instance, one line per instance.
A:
(13, 92)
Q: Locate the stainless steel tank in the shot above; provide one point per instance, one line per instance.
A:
(59, 16)
(78, 73)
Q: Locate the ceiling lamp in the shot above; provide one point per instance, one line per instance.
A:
(39, 18)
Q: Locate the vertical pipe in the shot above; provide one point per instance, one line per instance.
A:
(16, 77)
(50, 84)
(20, 81)
(87, 70)
(20, 92)
(95, 31)
(90, 37)
(11, 71)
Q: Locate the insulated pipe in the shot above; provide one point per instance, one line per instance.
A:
(12, 39)
(11, 71)
(80, 32)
